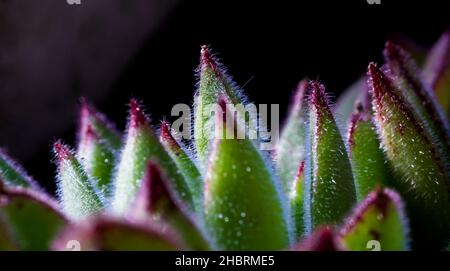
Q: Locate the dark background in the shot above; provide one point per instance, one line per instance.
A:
(267, 47)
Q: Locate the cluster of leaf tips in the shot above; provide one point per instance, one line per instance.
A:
(382, 173)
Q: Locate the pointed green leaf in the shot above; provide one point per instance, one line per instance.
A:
(436, 72)
(243, 203)
(213, 82)
(370, 169)
(291, 147)
(423, 103)
(379, 217)
(113, 235)
(13, 174)
(97, 159)
(297, 203)
(98, 142)
(155, 201)
(420, 173)
(141, 145)
(322, 239)
(100, 125)
(185, 164)
(76, 191)
(31, 218)
(329, 187)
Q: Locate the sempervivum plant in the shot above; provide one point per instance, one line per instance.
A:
(379, 179)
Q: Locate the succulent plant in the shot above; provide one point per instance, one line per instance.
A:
(379, 180)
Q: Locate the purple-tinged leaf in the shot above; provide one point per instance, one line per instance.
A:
(379, 217)
(110, 234)
(32, 219)
(322, 239)
(213, 82)
(106, 131)
(98, 143)
(427, 112)
(329, 187)
(140, 146)
(97, 160)
(13, 174)
(156, 201)
(185, 164)
(420, 173)
(77, 193)
(417, 50)
(243, 202)
(290, 150)
(369, 165)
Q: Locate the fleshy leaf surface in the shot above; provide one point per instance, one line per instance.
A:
(243, 202)
(296, 198)
(12, 173)
(213, 82)
(379, 217)
(420, 173)
(113, 235)
(423, 103)
(185, 164)
(155, 201)
(98, 143)
(32, 219)
(78, 196)
(291, 147)
(329, 187)
(369, 165)
(141, 145)
(97, 159)
(90, 118)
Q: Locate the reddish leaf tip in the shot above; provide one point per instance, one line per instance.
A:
(361, 113)
(137, 115)
(62, 151)
(380, 198)
(378, 81)
(207, 58)
(89, 136)
(165, 133)
(87, 111)
(318, 96)
(323, 239)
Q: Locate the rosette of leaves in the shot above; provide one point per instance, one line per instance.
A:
(377, 181)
